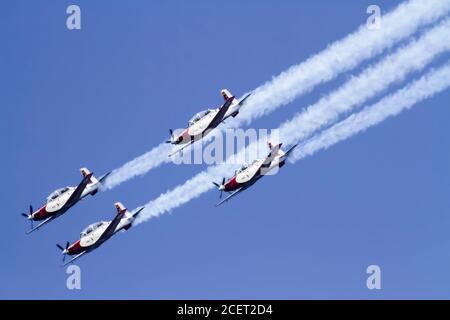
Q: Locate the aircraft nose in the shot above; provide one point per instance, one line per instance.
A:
(221, 188)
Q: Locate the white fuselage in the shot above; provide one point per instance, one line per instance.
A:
(54, 205)
(199, 127)
(250, 172)
(93, 237)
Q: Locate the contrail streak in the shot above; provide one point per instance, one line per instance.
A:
(419, 90)
(339, 57)
(390, 106)
(395, 67)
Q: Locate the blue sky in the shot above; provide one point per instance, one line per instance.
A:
(102, 95)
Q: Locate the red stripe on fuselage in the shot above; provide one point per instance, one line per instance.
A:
(185, 137)
(75, 248)
(41, 214)
(232, 184)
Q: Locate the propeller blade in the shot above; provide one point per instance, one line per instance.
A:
(171, 136)
(31, 209)
(214, 183)
(67, 245)
(60, 247)
(25, 215)
(221, 192)
(223, 181)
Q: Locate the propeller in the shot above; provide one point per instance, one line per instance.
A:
(64, 251)
(171, 136)
(29, 216)
(220, 186)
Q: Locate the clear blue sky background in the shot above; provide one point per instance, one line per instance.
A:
(100, 96)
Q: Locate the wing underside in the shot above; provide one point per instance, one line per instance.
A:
(182, 148)
(41, 224)
(74, 258)
(235, 193)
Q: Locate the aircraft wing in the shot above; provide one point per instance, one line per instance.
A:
(231, 196)
(181, 149)
(41, 224)
(218, 118)
(76, 195)
(112, 226)
(74, 258)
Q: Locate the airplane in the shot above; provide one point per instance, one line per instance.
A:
(248, 175)
(203, 122)
(94, 235)
(61, 200)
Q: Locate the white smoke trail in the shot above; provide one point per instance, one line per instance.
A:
(390, 106)
(419, 90)
(339, 57)
(412, 57)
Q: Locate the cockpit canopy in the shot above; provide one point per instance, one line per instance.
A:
(57, 193)
(243, 167)
(199, 116)
(91, 228)
(246, 165)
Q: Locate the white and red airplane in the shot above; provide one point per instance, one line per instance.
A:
(203, 122)
(97, 233)
(249, 174)
(61, 200)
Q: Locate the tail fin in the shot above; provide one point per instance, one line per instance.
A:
(85, 172)
(227, 95)
(121, 208)
(279, 152)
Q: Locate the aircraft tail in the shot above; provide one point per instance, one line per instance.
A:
(276, 148)
(227, 95)
(85, 172)
(130, 216)
(121, 209)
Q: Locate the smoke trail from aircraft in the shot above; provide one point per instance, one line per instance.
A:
(432, 83)
(427, 86)
(339, 57)
(395, 67)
